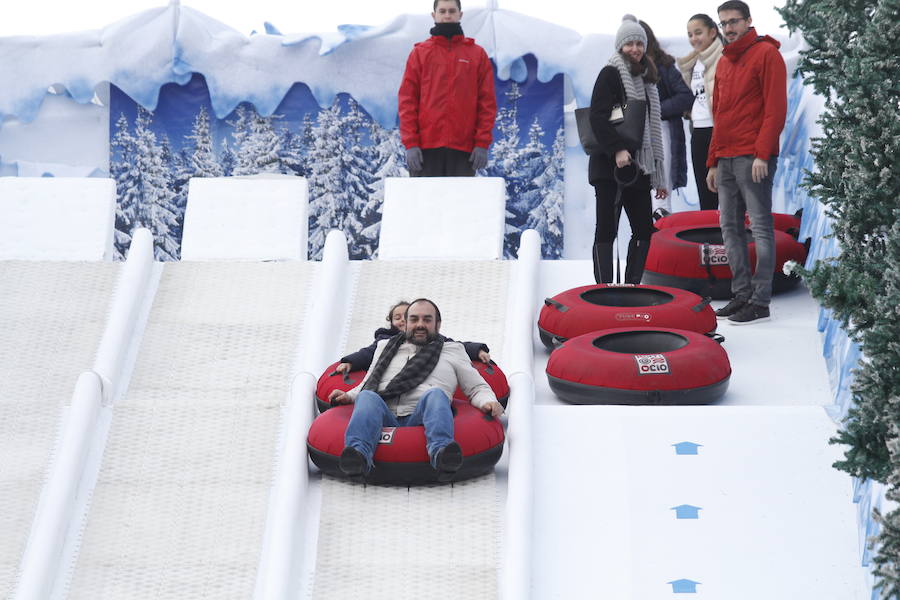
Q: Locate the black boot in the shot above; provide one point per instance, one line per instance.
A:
(637, 256)
(603, 257)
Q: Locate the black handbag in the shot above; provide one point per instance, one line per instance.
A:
(629, 125)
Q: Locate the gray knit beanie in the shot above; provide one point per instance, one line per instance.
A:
(630, 31)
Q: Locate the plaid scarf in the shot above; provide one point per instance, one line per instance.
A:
(413, 373)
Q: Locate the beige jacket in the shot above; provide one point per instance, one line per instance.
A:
(710, 58)
(453, 368)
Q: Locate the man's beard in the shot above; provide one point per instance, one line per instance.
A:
(429, 337)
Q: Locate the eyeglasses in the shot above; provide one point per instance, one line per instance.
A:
(731, 22)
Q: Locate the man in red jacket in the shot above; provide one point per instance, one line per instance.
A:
(446, 100)
(749, 108)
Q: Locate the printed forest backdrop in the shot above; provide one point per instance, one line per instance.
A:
(340, 149)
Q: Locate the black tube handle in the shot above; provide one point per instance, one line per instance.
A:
(716, 337)
(555, 304)
(345, 376)
(703, 304)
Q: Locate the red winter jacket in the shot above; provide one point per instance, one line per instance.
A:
(749, 99)
(446, 98)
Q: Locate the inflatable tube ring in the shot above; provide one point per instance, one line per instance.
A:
(639, 365)
(400, 457)
(610, 306)
(694, 258)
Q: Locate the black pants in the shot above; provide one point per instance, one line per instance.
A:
(700, 138)
(444, 162)
(637, 205)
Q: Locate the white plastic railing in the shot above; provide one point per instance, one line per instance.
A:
(283, 537)
(45, 543)
(123, 315)
(518, 355)
(42, 557)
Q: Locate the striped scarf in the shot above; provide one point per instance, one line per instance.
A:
(413, 373)
(650, 158)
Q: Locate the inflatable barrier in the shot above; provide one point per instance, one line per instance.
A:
(609, 306)
(790, 224)
(693, 258)
(647, 366)
(401, 457)
(332, 380)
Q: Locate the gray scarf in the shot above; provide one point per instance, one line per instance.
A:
(650, 158)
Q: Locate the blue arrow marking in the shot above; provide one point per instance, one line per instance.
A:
(686, 511)
(686, 448)
(684, 586)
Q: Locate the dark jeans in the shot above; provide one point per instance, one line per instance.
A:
(739, 195)
(637, 205)
(700, 138)
(444, 162)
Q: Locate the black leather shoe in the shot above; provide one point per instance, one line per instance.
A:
(750, 313)
(352, 463)
(731, 308)
(447, 461)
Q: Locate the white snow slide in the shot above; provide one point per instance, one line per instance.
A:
(443, 217)
(246, 218)
(436, 541)
(180, 503)
(52, 316)
(57, 218)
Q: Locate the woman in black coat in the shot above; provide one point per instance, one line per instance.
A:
(630, 74)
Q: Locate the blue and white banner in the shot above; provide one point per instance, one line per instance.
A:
(340, 149)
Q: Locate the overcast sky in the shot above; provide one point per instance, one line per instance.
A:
(667, 17)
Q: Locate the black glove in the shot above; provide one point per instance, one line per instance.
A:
(414, 159)
(478, 158)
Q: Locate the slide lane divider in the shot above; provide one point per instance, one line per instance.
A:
(94, 390)
(516, 567)
(127, 304)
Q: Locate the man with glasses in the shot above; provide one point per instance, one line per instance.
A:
(749, 108)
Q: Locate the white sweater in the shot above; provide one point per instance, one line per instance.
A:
(710, 58)
(453, 368)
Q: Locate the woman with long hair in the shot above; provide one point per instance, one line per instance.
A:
(623, 176)
(675, 99)
(699, 71)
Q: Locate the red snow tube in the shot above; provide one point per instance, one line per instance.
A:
(332, 380)
(609, 306)
(710, 218)
(401, 457)
(639, 365)
(685, 257)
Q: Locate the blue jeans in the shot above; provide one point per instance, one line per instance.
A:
(738, 194)
(370, 414)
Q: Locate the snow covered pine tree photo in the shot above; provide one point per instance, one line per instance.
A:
(343, 152)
